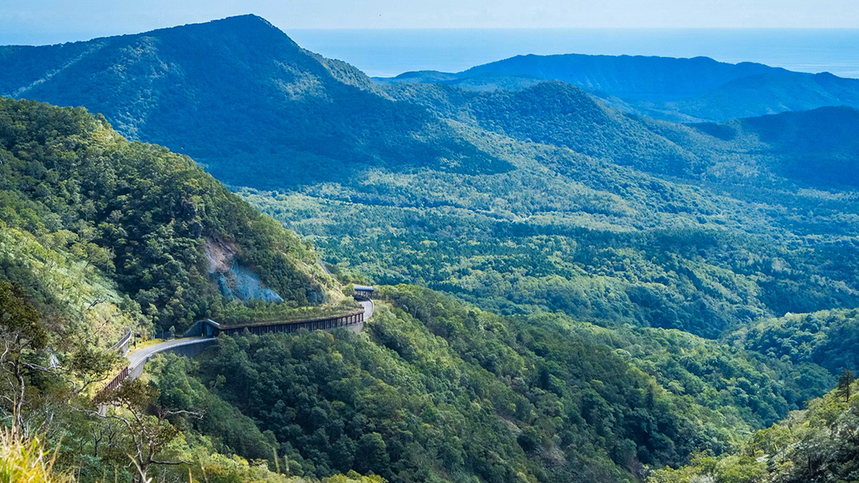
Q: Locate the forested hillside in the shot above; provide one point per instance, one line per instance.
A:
(816, 147)
(729, 225)
(438, 390)
(817, 444)
(682, 90)
(283, 116)
(572, 293)
(137, 215)
(539, 199)
(100, 237)
(434, 390)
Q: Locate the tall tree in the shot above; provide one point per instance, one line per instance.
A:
(847, 377)
(148, 427)
(22, 335)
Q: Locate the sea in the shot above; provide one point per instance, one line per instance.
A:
(387, 53)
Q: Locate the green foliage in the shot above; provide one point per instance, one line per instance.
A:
(681, 90)
(138, 213)
(539, 204)
(20, 326)
(748, 389)
(99, 237)
(27, 461)
(570, 118)
(230, 431)
(827, 338)
(817, 444)
(439, 390)
(288, 118)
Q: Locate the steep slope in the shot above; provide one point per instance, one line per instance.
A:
(241, 97)
(438, 390)
(143, 216)
(811, 148)
(575, 207)
(558, 114)
(435, 390)
(686, 90)
(818, 444)
(562, 115)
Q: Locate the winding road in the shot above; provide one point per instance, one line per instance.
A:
(138, 359)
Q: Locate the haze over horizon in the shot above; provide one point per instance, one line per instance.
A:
(53, 21)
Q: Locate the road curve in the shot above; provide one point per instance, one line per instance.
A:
(369, 307)
(140, 357)
(143, 355)
(137, 360)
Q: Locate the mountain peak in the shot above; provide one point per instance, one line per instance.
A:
(246, 20)
(247, 28)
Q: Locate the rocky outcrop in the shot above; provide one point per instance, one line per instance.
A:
(234, 280)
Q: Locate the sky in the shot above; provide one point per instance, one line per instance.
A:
(55, 21)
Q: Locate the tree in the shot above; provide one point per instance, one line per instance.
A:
(844, 382)
(148, 427)
(89, 364)
(22, 334)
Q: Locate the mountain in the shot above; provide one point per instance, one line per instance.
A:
(608, 217)
(620, 293)
(438, 390)
(241, 97)
(157, 228)
(559, 114)
(99, 236)
(810, 147)
(817, 147)
(103, 239)
(515, 200)
(684, 90)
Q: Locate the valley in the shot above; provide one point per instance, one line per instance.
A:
(605, 278)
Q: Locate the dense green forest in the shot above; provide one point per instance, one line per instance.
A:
(290, 117)
(137, 213)
(434, 390)
(566, 292)
(601, 242)
(537, 199)
(100, 236)
(438, 390)
(816, 444)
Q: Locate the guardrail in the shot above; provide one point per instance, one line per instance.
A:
(114, 383)
(124, 340)
(319, 323)
(210, 328)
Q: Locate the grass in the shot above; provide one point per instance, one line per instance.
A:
(26, 462)
(143, 344)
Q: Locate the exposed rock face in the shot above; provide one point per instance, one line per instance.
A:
(234, 280)
(220, 255)
(241, 283)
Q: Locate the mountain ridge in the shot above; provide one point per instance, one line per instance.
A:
(252, 82)
(674, 89)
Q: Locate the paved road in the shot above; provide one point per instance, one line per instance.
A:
(141, 356)
(368, 308)
(144, 354)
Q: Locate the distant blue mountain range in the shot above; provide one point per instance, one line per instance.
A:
(683, 90)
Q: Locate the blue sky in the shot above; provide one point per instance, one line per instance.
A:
(54, 21)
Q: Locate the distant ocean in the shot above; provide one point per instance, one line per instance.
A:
(386, 53)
